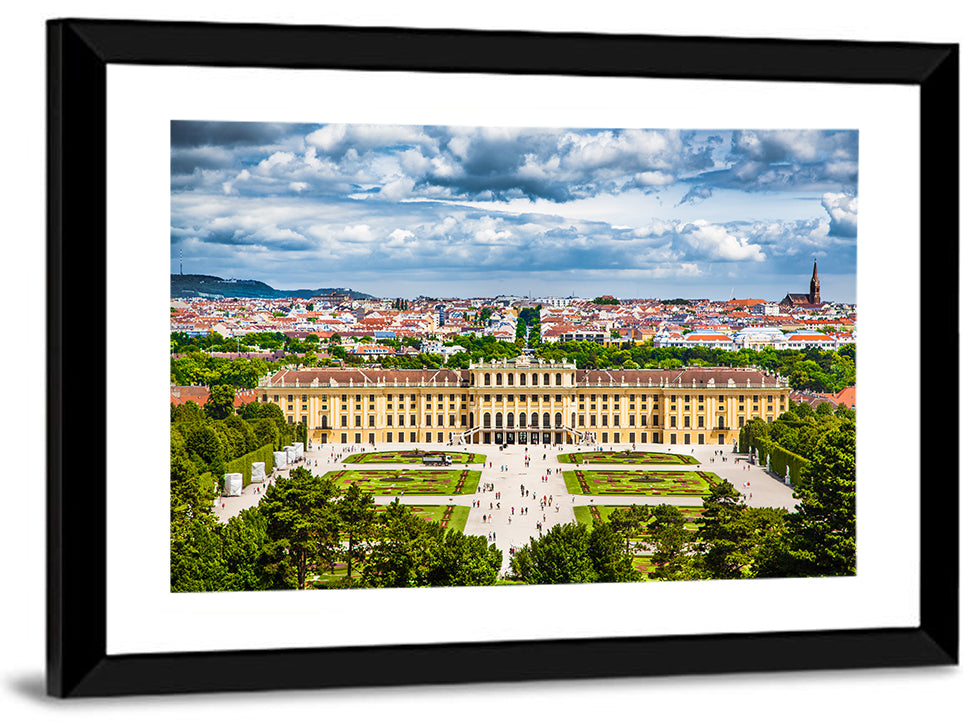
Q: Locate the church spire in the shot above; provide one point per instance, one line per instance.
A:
(814, 285)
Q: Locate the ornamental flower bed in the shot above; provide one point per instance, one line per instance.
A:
(435, 514)
(415, 457)
(640, 483)
(629, 458)
(426, 482)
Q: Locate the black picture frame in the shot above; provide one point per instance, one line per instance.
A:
(79, 52)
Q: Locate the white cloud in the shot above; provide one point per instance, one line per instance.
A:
(842, 209)
(362, 232)
(714, 242)
(398, 237)
(399, 189)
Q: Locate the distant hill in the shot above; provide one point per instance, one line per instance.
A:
(192, 286)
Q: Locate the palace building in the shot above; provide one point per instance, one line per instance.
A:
(525, 401)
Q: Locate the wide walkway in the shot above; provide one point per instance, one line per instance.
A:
(507, 511)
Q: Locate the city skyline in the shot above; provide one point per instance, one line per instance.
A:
(403, 211)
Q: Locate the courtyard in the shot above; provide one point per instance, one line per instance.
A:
(519, 486)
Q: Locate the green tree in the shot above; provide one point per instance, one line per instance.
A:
(204, 443)
(356, 514)
(244, 538)
(628, 523)
(403, 551)
(187, 412)
(820, 538)
(731, 534)
(301, 523)
(671, 543)
(220, 403)
(571, 553)
(266, 432)
(610, 560)
(560, 556)
(245, 431)
(187, 497)
(197, 564)
(460, 560)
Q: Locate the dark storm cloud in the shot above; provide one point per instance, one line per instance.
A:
(194, 134)
(763, 160)
(184, 161)
(501, 164)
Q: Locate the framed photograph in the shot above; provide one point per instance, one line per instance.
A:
(319, 296)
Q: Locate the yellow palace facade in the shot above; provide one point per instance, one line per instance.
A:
(525, 401)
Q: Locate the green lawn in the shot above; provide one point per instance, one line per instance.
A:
(629, 458)
(453, 517)
(640, 482)
(421, 482)
(587, 514)
(415, 456)
(644, 564)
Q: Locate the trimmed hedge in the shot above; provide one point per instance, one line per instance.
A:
(780, 460)
(242, 465)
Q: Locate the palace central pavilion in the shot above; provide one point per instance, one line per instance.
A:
(525, 401)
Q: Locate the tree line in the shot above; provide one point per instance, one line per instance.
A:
(308, 533)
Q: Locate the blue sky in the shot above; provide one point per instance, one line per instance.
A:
(395, 210)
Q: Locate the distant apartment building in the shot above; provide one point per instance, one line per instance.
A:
(753, 339)
(766, 308)
(564, 333)
(552, 301)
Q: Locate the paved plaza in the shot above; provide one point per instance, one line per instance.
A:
(506, 478)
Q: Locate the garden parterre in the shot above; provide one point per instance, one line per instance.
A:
(630, 458)
(693, 515)
(422, 481)
(640, 482)
(448, 517)
(458, 457)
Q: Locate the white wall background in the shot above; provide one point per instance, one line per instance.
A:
(920, 693)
